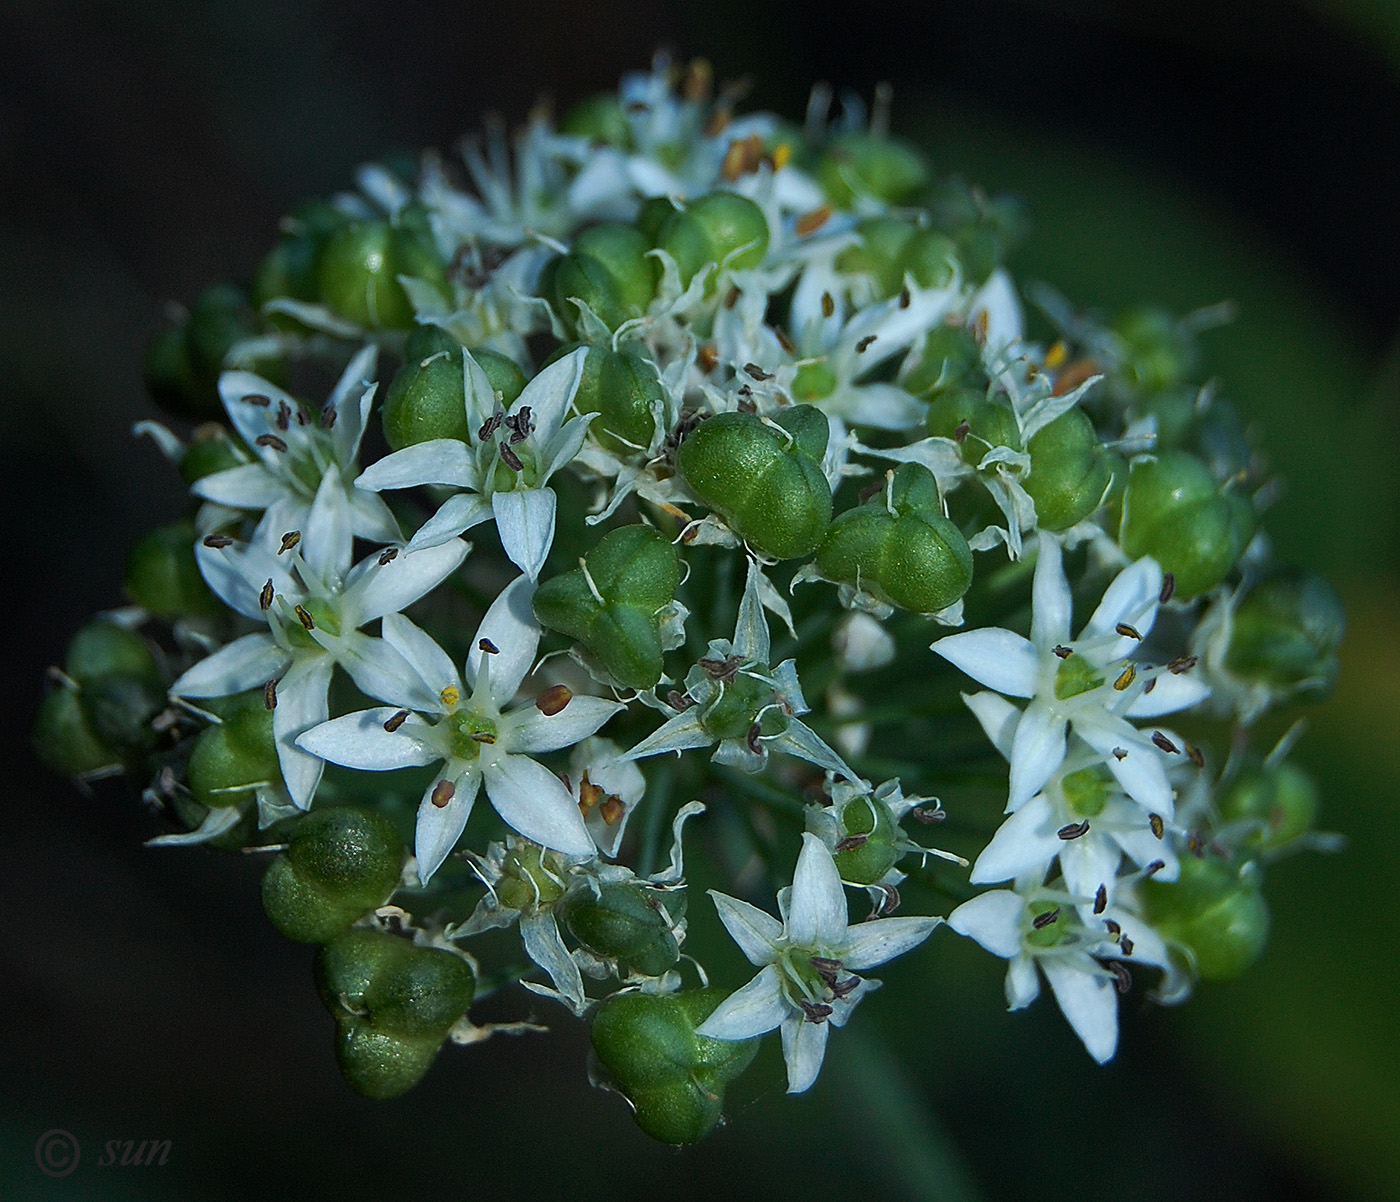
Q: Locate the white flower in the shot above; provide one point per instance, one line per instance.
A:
(314, 609)
(1089, 684)
(298, 452)
(808, 963)
(470, 735)
(504, 470)
(1066, 940)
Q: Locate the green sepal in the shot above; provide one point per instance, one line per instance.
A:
(624, 922)
(867, 862)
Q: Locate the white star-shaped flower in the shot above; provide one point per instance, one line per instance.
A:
(808, 963)
(438, 719)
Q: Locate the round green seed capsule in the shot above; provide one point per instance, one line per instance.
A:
(1285, 632)
(869, 847)
(1282, 801)
(211, 449)
(232, 759)
(765, 482)
(1221, 918)
(1159, 352)
(120, 708)
(880, 254)
(950, 359)
(163, 577)
(975, 421)
(723, 228)
(358, 270)
(625, 922)
(861, 164)
(599, 118)
(1070, 471)
(63, 738)
(103, 648)
(623, 388)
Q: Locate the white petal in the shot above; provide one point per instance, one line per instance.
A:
(248, 486)
(1148, 946)
(460, 512)
(1170, 694)
(525, 522)
(1000, 659)
(539, 933)
(381, 672)
(1037, 749)
(882, 406)
(804, 1047)
(246, 663)
(751, 639)
(1090, 861)
(1129, 826)
(997, 299)
(248, 419)
(439, 827)
(753, 1010)
(510, 627)
(1087, 996)
(1131, 598)
(301, 704)
(386, 588)
(1022, 982)
(564, 447)
(360, 740)
(372, 518)
(351, 401)
(1025, 842)
(537, 733)
(218, 820)
(802, 741)
(997, 716)
(327, 541)
(817, 908)
(532, 801)
(438, 461)
(680, 733)
(993, 919)
(551, 392)
(1140, 771)
(754, 930)
(1050, 599)
(237, 576)
(421, 652)
(871, 943)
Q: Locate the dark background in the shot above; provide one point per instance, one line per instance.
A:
(1176, 153)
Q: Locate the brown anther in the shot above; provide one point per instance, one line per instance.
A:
(1101, 899)
(257, 398)
(732, 298)
(1063, 652)
(487, 646)
(865, 343)
(303, 416)
(218, 541)
(928, 815)
(284, 415)
(1154, 868)
(490, 426)
(1128, 632)
(851, 842)
(1125, 678)
(1122, 978)
(289, 540)
(328, 416)
(845, 988)
(1113, 928)
(1168, 587)
(722, 669)
(1074, 375)
(1119, 754)
(1196, 845)
(1160, 740)
(784, 340)
(1157, 825)
(718, 122)
(870, 490)
(828, 304)
(1127, 945)
(707, 357)
(589, 794)
(393, 723)
(680, 702)
(1041, 921)
(442, 793)
(611, 809)
(810, 223)
(1056, 355)
(305, 618)
(265, 597)
(960, 434)
(754, 738)
(553, 700)
(387, 556)
(1073, 830)
(483, 736)
(979, 327)
(757, 372)
(827, 969)
(742, 158)
(889, 901)
(1149, 686)
(1195, 754)
(905, 299)
(1182, 663)
(270, 695)
(510, 458)
(270, 440)
(816, 1012)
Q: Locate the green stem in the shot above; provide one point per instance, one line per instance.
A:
(658, 802)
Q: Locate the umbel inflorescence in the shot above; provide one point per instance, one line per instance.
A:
(777, 510)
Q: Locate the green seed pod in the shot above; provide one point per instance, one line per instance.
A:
(358, 269)
(635, 571)
(931, 258)
(171, 380)
(742, 702)
(119, 709)
(339, 864)
(163, 577)
(211, 449)
(713, 229)
(899, 547)
(1285, 633)
(1159, 352)
(531, 878)
(427, 398)
(674, 1078)
(1282, 801)
(950, 359)
(219, 317)
(652, 216)
(102, 648)
(609, 269)
(600, 119)
(861, 164)
(884, 244)
(1221, 918)
(230, 760)
(63, 738)
(1070, 471)
(289, 269)
(380, 1065)
(624, 922)
(869, 847)
(621, 387)
(1174, 511)
(765, 482)
(972, 419)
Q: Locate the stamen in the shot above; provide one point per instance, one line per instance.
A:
(589, 794)
(846, 987)
(1196, 756)
(1126, 679)
(553, 700)
(827, 969)
(270, 440)
(851, 842)
(488, 647)
(1063, 652)
(218, 541)
(1101, 899)
(754, 739)
(680, 702)
(328, 416)
(1113, 928)
(270, 694)
(1073, 830)
(303, 416)
(450, 696)
(1122, 978)
(1128, 632)
(1157, 825)
(490, 426)
(1154, 868)
(810, 223)
(265, 597)
(928, 815)
(784, 340)
(865, 343)
(611, 810)
(1119, 754)
(289, 540)
(757, 372)
(905, 299)
(722, 669)
(707, 358)
(284, 415)
(510, 458)
(1161, 740)
(1041, 921)
(1182, 663)
(816, 1012)
(305, 618)
(483, 736)
(387, 556)
(1056, 355)
(828, 304)
(257, 398)
(961, 433)
(1127, 945)
(442, 793)
(392, 724)
(1168, 587)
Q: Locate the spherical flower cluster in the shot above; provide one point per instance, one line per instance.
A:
(665, 363)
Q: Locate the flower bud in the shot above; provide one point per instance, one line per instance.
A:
(674, 1078)
(624, 921)
(869, 846)
(1285, 632)
(600, 119)
(1174, 511)
(1215, 913)
(763, 477)
(212, 449)
(950, 359)
(1158, 351)
(427, 398)
(612, 604)
(102, 648)
(1280, 803)
(884, 242)
(393, 1003)
(163, 577)
(358, 270)
(233, 758)
(63, 738)
(609, 270)
(899, 547)
(723, 228)
(622, 387)
(861, 164)
(339, 864)
(1070, 471)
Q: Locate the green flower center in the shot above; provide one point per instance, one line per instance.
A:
(468, 731)
(1087, 791)
(1075, 675)
(1051, 924)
